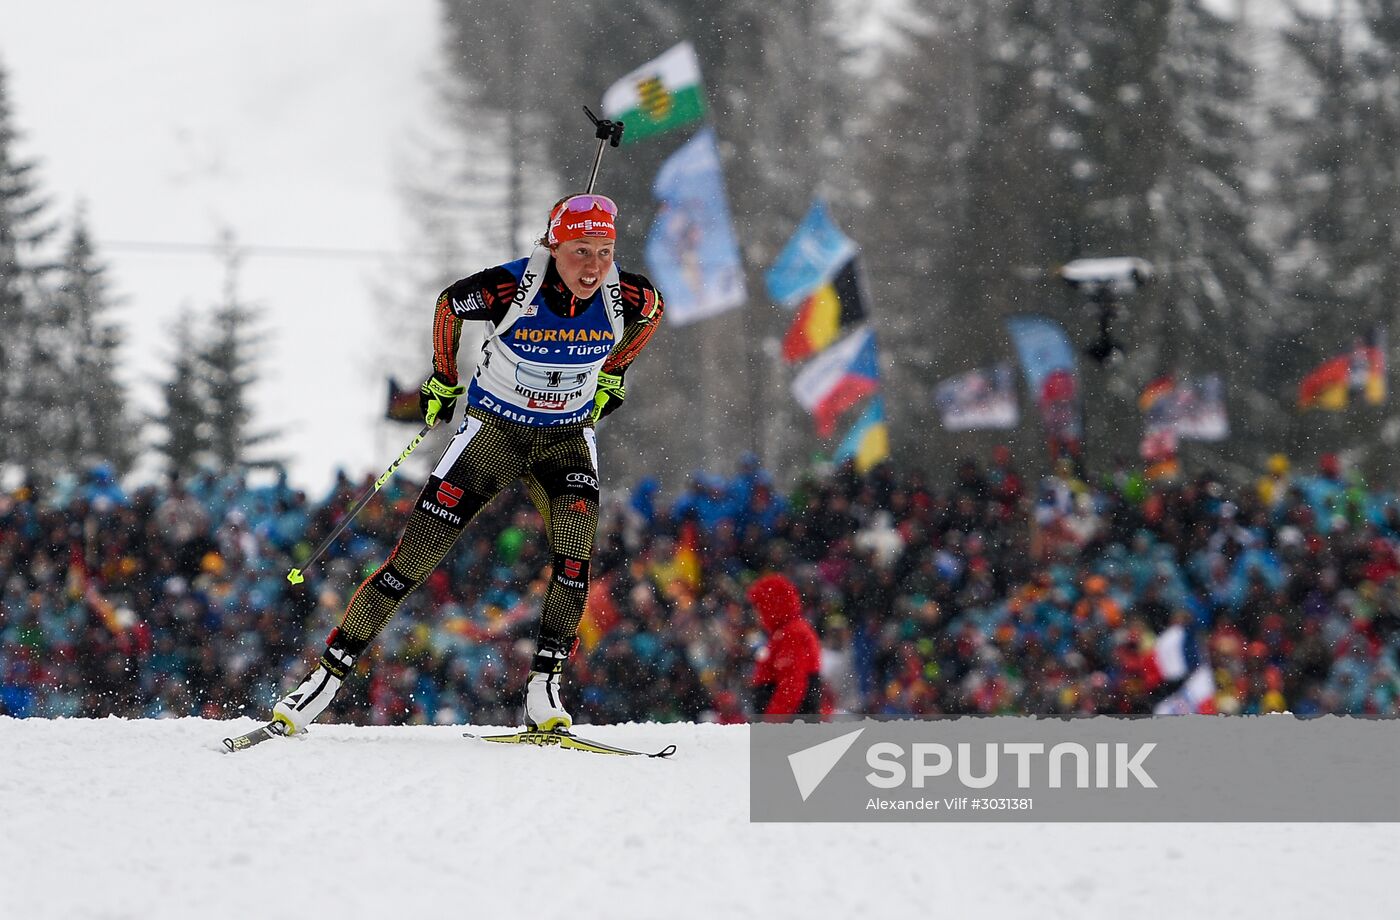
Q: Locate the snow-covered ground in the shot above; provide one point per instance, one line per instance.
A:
(149, 820)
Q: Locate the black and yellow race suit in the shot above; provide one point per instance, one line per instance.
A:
(531, 424)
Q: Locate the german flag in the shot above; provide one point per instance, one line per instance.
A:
(600, 615)
(1362, 371)
(1155, 391)
(1327, 386)
(829, 310)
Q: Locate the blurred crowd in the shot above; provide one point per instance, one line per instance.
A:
(973, 591)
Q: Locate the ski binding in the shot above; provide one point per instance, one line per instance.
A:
(256, 736)
(568, 740)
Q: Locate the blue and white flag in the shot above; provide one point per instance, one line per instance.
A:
(691, 250)
(1048, 363)
(815, 253)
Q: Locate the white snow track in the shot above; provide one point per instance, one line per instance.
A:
(152, 820)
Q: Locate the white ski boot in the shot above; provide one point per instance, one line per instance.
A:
(303, 705)
(544, 710)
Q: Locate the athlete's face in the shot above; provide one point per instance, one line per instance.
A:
(583, 264)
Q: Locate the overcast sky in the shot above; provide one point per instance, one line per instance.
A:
(281, 121)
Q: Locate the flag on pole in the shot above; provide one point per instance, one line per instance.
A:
(1360, 370)
(1368, 370)
(978, 399)
(1326, 387)
(1155, 392)
(691, 250)
(402, 405)
(1158, 447)
(1192, 408)
(816, 251)
(1159, 451)
(1048, 364)
(838, 379)
(1177, 655)
(1198, 409)
(600, 614)
(868, 441)
(684, 567)
(81, 584)
(658, 96)
(831, 309)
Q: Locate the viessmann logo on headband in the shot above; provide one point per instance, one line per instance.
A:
(583, 216)
(588, 227)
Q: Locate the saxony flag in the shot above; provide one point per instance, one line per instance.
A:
(658, 96)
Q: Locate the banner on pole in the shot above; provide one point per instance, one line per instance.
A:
(691, 251)
(984, 398)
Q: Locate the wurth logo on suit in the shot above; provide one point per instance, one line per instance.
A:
(448, 494)
(571, 573)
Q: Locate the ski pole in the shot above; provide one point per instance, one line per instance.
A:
(608, 132)
(295, 576)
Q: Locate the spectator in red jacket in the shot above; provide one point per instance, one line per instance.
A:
(787, 678)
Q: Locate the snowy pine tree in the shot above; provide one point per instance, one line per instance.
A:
(185, 428)
(906, 73)
(1214, 310)
(24, 226)
(227, 368)
(92, 421)
(1337, 263)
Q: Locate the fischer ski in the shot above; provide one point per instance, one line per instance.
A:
(256, 736)
(567, 740)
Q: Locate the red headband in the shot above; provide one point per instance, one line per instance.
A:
(580, 216)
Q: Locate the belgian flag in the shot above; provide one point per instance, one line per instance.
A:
(830, 310)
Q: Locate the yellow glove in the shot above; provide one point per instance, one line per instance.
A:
(437, 398)
(609, 395)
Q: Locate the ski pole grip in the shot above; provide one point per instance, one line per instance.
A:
(605, 129)
(607, 132)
